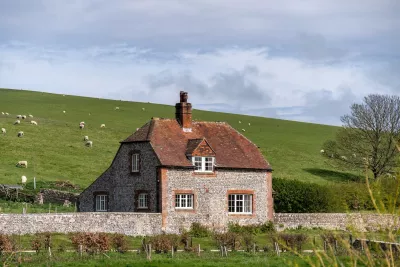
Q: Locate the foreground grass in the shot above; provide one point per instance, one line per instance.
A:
(55, 151)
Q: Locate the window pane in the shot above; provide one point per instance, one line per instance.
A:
(197, 163)
(143, 200)
(239, 203)
(177, 201)
(208, 164)
(189, 201)
(135, 162)
(101, 203)
(183, 201)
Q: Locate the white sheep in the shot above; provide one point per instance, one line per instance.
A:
(82, 122)
(22, 163)
(243, 130)
(240, 121)
(116, 108)
(7, 114)
(103, 126)
(64, 111)
(3, 131)
(249, 123)
(30, 116)
(20, 134)
(23, 117)
(81, 126)
(343, 157)
(89, 143)
(17, 122)
(2, 113)
(23, 179)
(322, 151)
(19, 116)
(86, 138)
(143, 109)
(34, 122)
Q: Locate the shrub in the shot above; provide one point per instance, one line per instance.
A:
(248, 241)
(6, 244)
(229, 239)
(36, 243)
(198, 230)
(120, 243)
(293, 241)
(163, 243)
(91, 243)
(252, 228)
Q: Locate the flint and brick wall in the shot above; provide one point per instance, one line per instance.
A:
(340, 221)
(127, 223)
(211, 197)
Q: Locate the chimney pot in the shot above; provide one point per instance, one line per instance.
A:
(183, 112)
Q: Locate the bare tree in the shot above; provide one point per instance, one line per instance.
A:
(369, 135)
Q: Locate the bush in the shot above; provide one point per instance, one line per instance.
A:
(252, 228)
(293, 241)
(119, 243)
(6, 244)
(198, 230)
(163, 243)
(92, 243)
(229, 239)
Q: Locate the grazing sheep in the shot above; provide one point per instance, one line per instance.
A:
(249, 123)
(23, 117)
(23, 179)
(22, 163)
(63, 111)
(240, 122)
(86, 138)
(81, 126)
(20, 134)
(30, 116)
(19, 117)
(322, 151)
(2, 113)
(116, 108)
(243, 130)
(34, 122)
(103, 126)
(89, 143)
(17, 122)
(3, 131)
(343, 157)
(143, 109)
(7, 114)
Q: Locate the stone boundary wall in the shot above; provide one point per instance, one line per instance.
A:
(56, 196)
(138, 224)
(337, 221)
(134, 224)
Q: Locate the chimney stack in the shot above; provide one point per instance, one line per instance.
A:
(183, 112)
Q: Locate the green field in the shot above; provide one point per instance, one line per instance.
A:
(55, 149)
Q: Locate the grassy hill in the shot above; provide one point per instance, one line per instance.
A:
(55, 149)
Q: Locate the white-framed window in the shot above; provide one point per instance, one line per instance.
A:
(143, 201)
(135, 162)
(203, 164)
(240, 203)
(184, 201)
(101, 202)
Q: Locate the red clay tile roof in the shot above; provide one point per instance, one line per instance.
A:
(192, 144)
(170, 143)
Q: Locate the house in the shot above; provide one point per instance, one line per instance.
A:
(189, 171)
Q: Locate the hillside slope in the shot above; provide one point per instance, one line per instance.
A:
(55, 149)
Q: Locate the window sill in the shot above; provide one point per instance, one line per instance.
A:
(242, 215)
(189, 210)
(206, 174)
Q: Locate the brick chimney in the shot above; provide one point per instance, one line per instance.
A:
(183, 112)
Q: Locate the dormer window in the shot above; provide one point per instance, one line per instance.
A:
(203, 164)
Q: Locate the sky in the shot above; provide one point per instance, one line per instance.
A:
(303, 60)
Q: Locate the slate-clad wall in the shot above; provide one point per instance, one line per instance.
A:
(121, 184)
(211, 198)
(112, 222)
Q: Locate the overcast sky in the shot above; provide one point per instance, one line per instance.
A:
(300, 60)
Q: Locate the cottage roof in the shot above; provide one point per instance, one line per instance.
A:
(171, 143)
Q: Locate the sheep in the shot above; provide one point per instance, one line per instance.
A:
(240, 122)
(22, 163)
(103, 126)
(86, 138)
(81, 126)
(64, 111)
(243, 130)
(23, 179)
(17, 122)
(2, 113)
(30, 116)
(343, 157)
(19, 117)
(89, 143)
(20, 134)
(143, 109)
(322, 151)
(116, 108)
(7, 114)
(34, 122)
(3, 131)
(23, 117)
(249, 123)
(82, 122)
